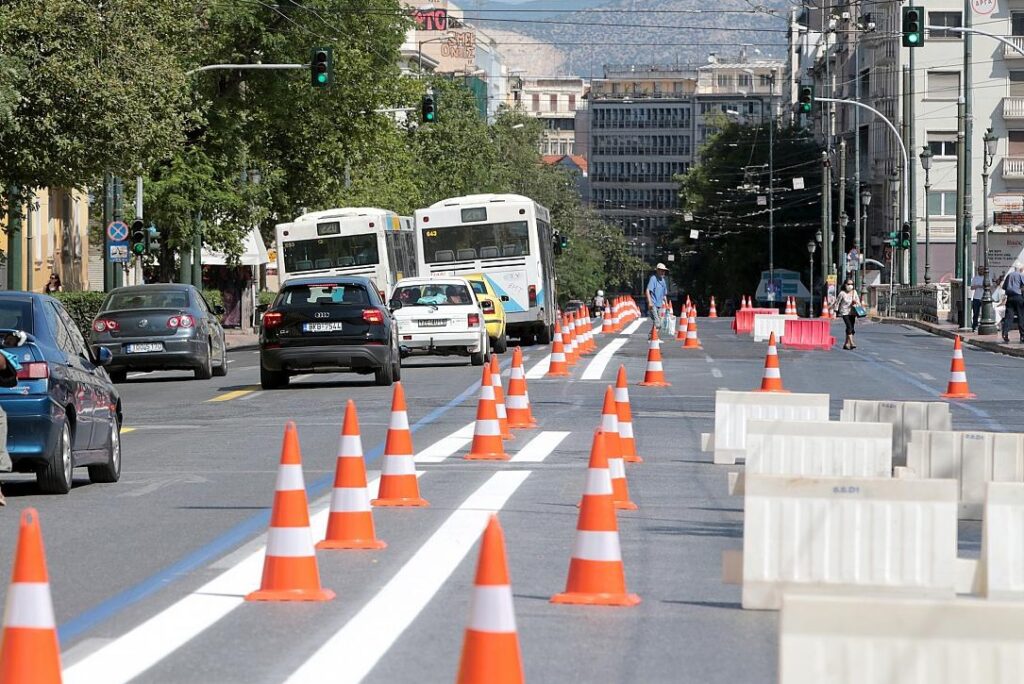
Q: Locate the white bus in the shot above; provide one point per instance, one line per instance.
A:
(376, 243)
(507, 238)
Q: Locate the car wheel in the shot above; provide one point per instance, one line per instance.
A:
(396, 365)
(273, 379)
(222, 370)
(478, 358)
(501, 344)
(55, 477)
(385, 375)
(205, 371)
(118, 376)
(111, 470)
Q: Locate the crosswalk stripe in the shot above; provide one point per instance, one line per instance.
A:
(600, 361)
(540, 447)
(446, 446)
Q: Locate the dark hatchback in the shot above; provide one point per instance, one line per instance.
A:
(161, 326)
(325, 325)
(64, 412)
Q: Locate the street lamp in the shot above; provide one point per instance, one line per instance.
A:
(926, 164)
(987, 325)
(811, 246)
(865, 202)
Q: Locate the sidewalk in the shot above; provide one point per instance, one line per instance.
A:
(236, 339)
(992, 343)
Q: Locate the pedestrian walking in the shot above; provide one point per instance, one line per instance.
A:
(53, 284)
(1013, 286)
(657, 289)
(977, 290)
(847, 305)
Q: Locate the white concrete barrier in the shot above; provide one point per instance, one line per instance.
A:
(817, 449)
(972, 458)
(889, 640)
(905, 416)
(734, 409)
(765, 324)
(847, 535)
(1001, 567)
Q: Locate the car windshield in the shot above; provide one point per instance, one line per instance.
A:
(433, 295)
(327, 293)
(16, 315)
(478, 287)
(153, 299)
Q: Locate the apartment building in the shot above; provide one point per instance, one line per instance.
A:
(554, 100)
(54, 239)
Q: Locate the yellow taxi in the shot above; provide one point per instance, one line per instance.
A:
(494, 310)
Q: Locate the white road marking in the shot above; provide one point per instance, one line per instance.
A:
(540, 369)
(898, 362)
(716, 373)
(597, 364)
(446, 446)
(927, 376)
(231, 360)
(708, 359)
(353, 651)
(540, 447)
(633, 327)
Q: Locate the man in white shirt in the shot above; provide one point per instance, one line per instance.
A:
(977, 290)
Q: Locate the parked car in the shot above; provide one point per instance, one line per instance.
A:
(572, 306)
(493, 308)
(64, 412)
(325, 325)
(440, 317)
(161, 326)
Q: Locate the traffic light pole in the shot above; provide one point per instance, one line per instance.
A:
(246, 67)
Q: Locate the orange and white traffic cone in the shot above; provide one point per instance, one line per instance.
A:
(29, 651)
(581, 332)
(692, 342)
(499, 398)
(713, 313)
(771, 381)
(557, 367)
(588, 330)
(654, 375)
(624, 414)
(398, 483)
(290, 571)
(617, 315)
(517, 403)
(614, 451)
(825, 313)
(681, 324)
(350, 523)
(596, 573)
(490, 646)
(957, 387)
(606, 322)
(572, 352)
(487, 443)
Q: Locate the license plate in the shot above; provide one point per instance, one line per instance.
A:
(433, 323)
(322, 326)
(143, 348)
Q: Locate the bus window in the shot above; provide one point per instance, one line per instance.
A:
(466, 242)
(323, 253)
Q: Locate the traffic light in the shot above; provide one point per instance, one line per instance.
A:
(559, 242)
(428, 108)
(913, 26)
(152, 240)
(905, 236)
(138, 237)
(806, 99)
(321, 67)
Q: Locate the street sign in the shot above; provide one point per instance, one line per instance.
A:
(762, 201)
(117, 231)
(798, 183)
(830, 279)
(118, 252)
(983, 7)
(694, 234)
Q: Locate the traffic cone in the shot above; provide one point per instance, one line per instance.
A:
(654, 376)
(617, 315)
(824, 309)
(606, 323)
(691, 332)
(596, 573)
(398, 483)
(557, 367)
(713, 313)
(581, 332)
(350, 523)
(614, 451)
(29, 652)
(572, 352)
(517, 403)
(290, 571)
(588, 330)
(771, 381)
(957, 387)
(624, 414)
(499, 398)
(681, 324)
(487, 444)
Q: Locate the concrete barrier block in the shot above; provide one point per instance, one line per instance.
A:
(733, 409)
(890, 640)
(845, 535)
(765, 324)
(905, 416)
(1001, 571)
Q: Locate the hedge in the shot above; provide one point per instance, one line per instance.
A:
(83, 307)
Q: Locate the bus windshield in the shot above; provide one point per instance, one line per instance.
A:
(478, 241)
(330, 252)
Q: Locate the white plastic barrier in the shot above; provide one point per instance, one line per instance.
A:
(764, 324)
(905, 416)
(888, 640)
(846, 535)
(972, 458)
(734, 409)
(816, 449)
(1001, 565)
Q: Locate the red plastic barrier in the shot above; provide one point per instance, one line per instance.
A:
(744, 322)
(808, 334)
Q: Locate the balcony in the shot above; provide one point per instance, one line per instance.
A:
(1013, 168)
(1013, 108)
(1009, 53)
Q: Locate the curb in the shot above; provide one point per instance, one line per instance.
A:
(994, 347)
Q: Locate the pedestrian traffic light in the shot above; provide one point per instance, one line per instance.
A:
(806, 99)
(894, 238)
(428, 108)
(321, 67)
(913, 26)
(138, 237)
(152, 240)
(905, 236)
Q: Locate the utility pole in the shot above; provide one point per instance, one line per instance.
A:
(137, 276)
(961, 221)
(859, 272)
(965, 161)
(108, 216)
(118, 269)
(908, 142)
(14, 252)
(771, 181)
(826, 242)
(911, 171)
(841, 226)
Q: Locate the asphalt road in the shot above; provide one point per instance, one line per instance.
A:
(147, 574)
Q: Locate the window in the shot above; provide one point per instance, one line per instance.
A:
(441, 245)
(942, 144)
(441, 294)
(572, 102)
(327, 293)
(944, 85)
(1017, 23)
(944, 19)
(724, 81)
(1016, 83)
(553, 100)
(535, 102)
(942, 203)
(1016, 143)
(743, 80)
(330, 252)
(765, 80)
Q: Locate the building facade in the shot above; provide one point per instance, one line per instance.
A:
(54, 239)
(555, 100)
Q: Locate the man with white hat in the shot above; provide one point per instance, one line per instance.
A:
(657, 290)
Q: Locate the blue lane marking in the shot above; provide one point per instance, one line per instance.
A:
(78, 625)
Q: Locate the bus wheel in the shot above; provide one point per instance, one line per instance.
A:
(544, 335)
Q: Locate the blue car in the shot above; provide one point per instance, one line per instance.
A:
(64, 412)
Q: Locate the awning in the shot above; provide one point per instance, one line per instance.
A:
(254, 252)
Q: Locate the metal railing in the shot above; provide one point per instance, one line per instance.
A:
(1011, 53)
(1013, 167)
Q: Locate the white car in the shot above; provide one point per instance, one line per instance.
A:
(440, 317)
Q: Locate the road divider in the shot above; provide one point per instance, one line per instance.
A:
(808, 334)
(1001, 567)
(905, 416)
(734, 409)
(765, 324)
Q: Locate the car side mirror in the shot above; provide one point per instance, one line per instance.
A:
(218, 310)
(103, 356)
(504, 298)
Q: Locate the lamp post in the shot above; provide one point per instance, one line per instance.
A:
(811, 246)
(865, 202)
(824, 266)
(987, 325)
(926, 164)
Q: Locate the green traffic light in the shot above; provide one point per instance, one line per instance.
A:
(913, 38)
(138, 248)
(430, 116)
(321, 78)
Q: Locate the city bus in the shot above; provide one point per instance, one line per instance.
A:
(375, 243)
(507, 238)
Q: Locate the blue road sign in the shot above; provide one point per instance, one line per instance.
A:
(118, 253)
(117, 231)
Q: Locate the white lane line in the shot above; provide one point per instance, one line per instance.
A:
(353, 651)
(927, 376)
(540, 447)
(633, 327)
(600, 361)
(898, 362)
(709, 359)
(597, 328)
(540, 369)
(446, 446)
(715, 373)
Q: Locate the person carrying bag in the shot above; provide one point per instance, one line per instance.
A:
(848, 307)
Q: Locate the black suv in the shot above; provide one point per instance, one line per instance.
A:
(326, 325)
